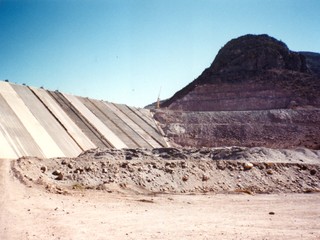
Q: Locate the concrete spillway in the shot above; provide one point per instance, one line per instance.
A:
(41, 123)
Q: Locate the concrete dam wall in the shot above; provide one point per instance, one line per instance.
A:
(45, 124)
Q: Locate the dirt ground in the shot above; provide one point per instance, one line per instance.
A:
(29, 209)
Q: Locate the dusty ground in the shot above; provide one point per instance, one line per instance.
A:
(32, 208)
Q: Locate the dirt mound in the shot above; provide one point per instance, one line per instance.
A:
(170, 170)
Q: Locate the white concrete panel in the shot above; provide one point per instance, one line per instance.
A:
(83, 141)
(15, 132)
(38, 133)
(6, 150)
(59, 135)
(100, 126)
(120, 123)
(144, 122)
(146, 116)
(133, 125)
(92, 105)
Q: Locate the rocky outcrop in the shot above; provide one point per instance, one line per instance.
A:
(252, 72)
(257, 52)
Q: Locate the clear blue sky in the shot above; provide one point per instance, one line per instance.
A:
(124, 51)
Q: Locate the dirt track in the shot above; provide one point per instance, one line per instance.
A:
(32, 213)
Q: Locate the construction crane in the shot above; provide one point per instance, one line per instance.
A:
(158, 100)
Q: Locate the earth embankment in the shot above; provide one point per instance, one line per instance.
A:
(171, 170)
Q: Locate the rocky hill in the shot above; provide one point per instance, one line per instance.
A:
(253, 72)
(255, 93)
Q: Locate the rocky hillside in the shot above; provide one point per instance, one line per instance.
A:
(313, 61)
(255, 93)
(279, 128)
(253, 72)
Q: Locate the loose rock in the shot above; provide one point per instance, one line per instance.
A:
(56, 172)
(269, 171)
(221, 165)
(205, 178)
(43, 169)
(185, 178)
(60, 176)
(247, 165)
(313, 172)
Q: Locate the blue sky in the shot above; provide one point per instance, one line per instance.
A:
(125, 51)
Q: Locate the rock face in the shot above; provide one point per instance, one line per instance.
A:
(278, 128)
(256, 53)
(255, 93)
(253, 72)
(313, 62)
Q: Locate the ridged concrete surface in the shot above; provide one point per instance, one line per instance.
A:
(41, 123)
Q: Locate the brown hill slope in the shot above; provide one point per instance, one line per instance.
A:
(252, 72)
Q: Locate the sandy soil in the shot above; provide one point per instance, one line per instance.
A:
(27, 211)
